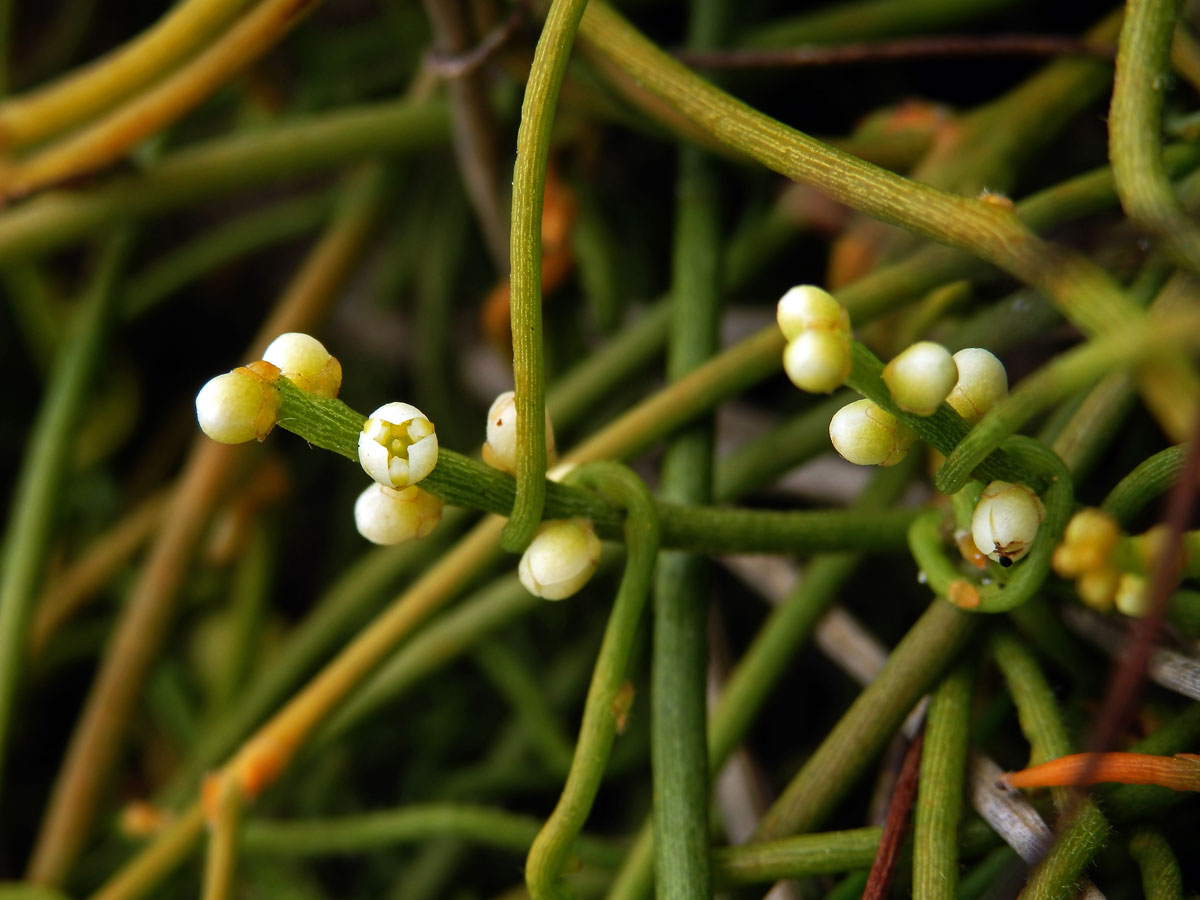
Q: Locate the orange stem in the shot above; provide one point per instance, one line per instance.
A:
(1180, 772)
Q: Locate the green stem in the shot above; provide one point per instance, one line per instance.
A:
(940, 798)
(796, 857)
(1149, 479)
(200, 173)
(515, 681)
(47, 464)
(525, 279)
(1028, 575)
(912, 667)
(221, 245)
(678, 687)
(1037, 708)
(1135, 127)
(1161, 878)
(462, 481)
(608, 699)
(374, 831)
(220, 863)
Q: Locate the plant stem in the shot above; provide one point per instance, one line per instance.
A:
(608, 698)
(110, 138)
(220, 865)
(1161, 878)
(81, 94)
(1086, 295)
(205, 171)
(913, 665)
(1082, 834)
(940, 797)
(525, 277)
(362, 833)
(796, 857)
(1135, 125)
(144, 620)
(48, 461)
(678, 695)
(1151, 478)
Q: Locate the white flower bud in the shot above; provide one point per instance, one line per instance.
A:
(817, 361)
(238, 406)
(807, 307)
(397, 446)
(921, 377)
(1006, 521)
(304, 361)
(982, 381)
(867, 435)
(560, 559)
(500, 450)
(385, 515)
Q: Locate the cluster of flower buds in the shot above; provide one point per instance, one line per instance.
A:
(1005, 521)
(1086, 555)
(397, 447)
(817, 328)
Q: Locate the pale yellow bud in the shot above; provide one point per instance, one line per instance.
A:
(1088, 541)
(1132, 598)
(807, 307)
(304, 361)
(982, 381)
(1097, 588)
(867, 435)
(921, 377)
(817, 361)
(1006, 521)
(500, 450)
(560, 559)
(398, 445)
(384, 515)
(238, 406)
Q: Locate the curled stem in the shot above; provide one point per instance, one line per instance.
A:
(525, 279)
(609, 695)
(925, 541)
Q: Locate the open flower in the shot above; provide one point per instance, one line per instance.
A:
(1006, 521)
(398, 445)
(868, 435)
(239, 406)
(385, 515)
(500, 450)
(560, 559)
(304, 361)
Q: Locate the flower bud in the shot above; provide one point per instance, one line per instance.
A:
(560, 559)
(1097, 588)
(500, 450)
(807, 307)
(867, 435)
(304, 361)
(398, 445)
(1006, 521)
(817, 361)
(921, 377)
(1132, 598)
(1087, 543)
(238, 406)
(982, 381)
(385, 515)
